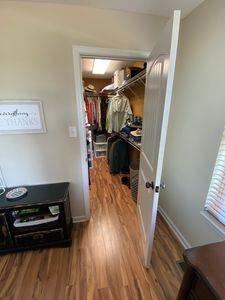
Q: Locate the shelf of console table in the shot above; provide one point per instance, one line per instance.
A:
(39, 198)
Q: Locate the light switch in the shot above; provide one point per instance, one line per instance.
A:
(72, 131)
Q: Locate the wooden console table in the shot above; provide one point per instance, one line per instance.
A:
(204, 278)
(42, 218)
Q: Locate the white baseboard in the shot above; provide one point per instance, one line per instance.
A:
(79, 219)
(174, 229)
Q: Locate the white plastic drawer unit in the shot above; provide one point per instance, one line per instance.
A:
(100, 149)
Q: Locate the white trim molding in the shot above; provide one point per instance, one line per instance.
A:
(79, 219)
(174, 228)
(78, 53)
(214, 223)
(120, 54)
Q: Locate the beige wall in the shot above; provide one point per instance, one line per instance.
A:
(196, 122)
(137, 100)
(36, 63)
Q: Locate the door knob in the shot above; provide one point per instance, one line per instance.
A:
(149, 185)
(162, 186)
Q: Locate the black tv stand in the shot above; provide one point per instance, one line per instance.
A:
(42, 218)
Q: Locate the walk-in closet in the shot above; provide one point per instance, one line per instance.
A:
(113, 94)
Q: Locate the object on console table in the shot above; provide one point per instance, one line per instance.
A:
(42, 218)
(16, 193)
(204, 278)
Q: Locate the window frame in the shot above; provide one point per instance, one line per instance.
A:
(211, 219)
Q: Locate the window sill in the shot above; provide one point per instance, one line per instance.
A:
(217, 226)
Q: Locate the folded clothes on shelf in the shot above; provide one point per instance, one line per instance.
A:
(136, 135)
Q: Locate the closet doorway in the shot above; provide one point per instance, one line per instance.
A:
(79, 53)
(114, 104)
(119, 119)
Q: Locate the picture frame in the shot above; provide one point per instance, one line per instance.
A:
(21, 117)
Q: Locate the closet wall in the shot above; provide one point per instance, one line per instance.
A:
(137, 98)
(137, 101)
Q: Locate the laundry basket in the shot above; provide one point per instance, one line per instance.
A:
(134, 174)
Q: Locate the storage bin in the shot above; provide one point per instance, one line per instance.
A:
(134, 174)
(100, 154)
(100, 138)
(100, 149)
(118, 78)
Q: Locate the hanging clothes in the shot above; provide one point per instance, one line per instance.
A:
(118, 112)
(96, 111)
(93, 110)
(99, 113)
(118, 157)
(104, 107)
(110, 141)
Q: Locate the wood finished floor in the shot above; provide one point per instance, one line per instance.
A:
(106, 257)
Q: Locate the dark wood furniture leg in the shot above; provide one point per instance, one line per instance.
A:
(186, 284)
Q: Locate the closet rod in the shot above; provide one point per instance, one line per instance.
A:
(135, 145)
(95, 94)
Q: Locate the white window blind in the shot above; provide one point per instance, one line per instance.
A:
(215, 202)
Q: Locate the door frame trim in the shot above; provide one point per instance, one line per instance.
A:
(91, 52)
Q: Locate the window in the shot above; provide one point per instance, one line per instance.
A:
(215, 202)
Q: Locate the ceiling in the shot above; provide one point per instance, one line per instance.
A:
(87, 65)
(155, 7)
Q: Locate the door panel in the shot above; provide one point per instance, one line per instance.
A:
(158, 94)
(153, 109)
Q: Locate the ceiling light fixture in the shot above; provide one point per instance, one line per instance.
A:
(100, 66)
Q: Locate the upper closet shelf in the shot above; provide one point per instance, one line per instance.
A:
(128, 84)
(138, 79)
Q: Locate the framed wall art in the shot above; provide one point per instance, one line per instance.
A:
(21, 116)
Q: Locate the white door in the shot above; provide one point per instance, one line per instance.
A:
(158, 94)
